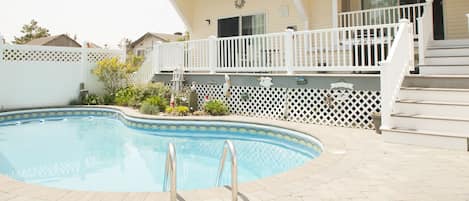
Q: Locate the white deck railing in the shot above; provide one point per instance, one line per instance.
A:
(396, 66)
(387, 15)
(425, 24)
(337, 49)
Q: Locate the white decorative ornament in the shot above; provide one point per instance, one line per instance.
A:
(239, 3)
(341, 90)
(266, 82)
(227, 85)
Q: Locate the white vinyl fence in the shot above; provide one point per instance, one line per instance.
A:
(338, 49)
(39, 76)
(387, 15)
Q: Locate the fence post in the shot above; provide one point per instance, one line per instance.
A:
(124, 49)
(212, 54)
(156, 57)
(2, 43)
(84, 62)
(289, 56)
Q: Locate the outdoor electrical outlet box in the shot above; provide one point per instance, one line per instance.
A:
(301, 81)
(244, 96)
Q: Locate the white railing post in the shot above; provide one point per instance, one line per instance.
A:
(394, 70)
(289, 56)
(156, 57)
(84, 61)
(425, 30)
(212, 54)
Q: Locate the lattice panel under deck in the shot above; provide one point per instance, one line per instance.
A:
(25, 55)
(313, 106)
(304, 105)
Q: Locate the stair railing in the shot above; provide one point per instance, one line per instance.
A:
(425, 27)
(228, 146)
(170, 170)
(395, 68)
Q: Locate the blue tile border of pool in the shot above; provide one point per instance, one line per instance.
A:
(13, 117)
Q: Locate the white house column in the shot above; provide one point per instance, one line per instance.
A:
(335, 13)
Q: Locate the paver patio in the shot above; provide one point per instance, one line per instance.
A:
(356, 165)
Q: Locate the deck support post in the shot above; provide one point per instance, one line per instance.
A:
(289, 56)
(212, 52)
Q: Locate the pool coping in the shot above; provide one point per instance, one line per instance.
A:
(334, 151)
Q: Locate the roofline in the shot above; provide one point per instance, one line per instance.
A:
(55, 38)
(181, 14)
(132, 45)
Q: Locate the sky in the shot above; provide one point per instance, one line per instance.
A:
(98, 21)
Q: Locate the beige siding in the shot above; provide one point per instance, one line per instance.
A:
(214, 9)
(455, 18)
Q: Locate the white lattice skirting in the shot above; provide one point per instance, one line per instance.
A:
(306, 105)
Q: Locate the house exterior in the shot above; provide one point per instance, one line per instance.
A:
(230, 18)
(62, 40)
(148, 40)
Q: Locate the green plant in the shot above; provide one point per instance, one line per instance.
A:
(115, 74)
(92, 99)
(126, 96)
(75, 102)
(216, 107)
(108, 99)
(153, 105)
(152, 89)
(178, 111)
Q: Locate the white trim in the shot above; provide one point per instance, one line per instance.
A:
(181, 15)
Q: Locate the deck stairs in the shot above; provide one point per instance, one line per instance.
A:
(433, 107)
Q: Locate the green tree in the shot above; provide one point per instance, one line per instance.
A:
(31, 31)
(116, 74)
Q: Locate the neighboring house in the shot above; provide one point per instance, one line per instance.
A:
(147, 41)
(204, 18)
(92, 45)
(62, 40)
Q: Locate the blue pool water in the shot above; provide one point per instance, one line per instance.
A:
(101, 153)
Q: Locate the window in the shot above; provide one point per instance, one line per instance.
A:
(242, 25)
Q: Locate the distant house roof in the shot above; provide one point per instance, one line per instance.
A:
(49, 41)
(91, 45)
(162, 36)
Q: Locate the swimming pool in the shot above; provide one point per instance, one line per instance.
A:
(105, 150)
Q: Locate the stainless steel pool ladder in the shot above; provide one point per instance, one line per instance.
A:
(228, 146)
(170, 170)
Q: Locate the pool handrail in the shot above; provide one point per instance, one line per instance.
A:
(170, 168)
(228, 146)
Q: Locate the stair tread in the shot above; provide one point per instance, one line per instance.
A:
(448, 47)
(425, 132)
(446, 56)
(419, 116)
(445, 65)
(435, 89)
(413, 101)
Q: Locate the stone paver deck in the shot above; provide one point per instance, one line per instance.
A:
(356, 165)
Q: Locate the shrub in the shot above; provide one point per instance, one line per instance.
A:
(92, 99)
(126, 96)
(178, 111)
(216, 107)
(144, 92)
(108, 99)
(116, 74)
(153, 105)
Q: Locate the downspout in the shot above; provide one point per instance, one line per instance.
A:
(300, 7)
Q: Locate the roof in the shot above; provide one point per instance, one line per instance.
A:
(91, 45)
(46, 40)
(162, 36)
